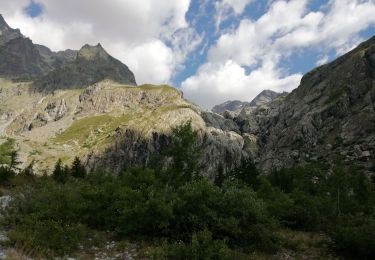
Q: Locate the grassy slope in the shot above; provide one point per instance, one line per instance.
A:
(79, 133)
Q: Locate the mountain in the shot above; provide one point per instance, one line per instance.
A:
(233, 105)
(86, 103)
(236, 106)
(108, 124)
(22, 60)
(56, 59)
(330, 116)
(6, 33)
(264, 97)
(91, 64)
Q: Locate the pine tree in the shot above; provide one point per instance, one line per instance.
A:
(58, 174)
(220, 176)
(248, 173)
(78, 170)
(184, 152)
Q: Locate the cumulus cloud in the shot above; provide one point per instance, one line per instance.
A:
(226, 8)
(216, 83)
(141, 33)
(247, 59)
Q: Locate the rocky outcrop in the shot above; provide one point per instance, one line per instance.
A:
(219, 122)
(330, 116)
(132, 147)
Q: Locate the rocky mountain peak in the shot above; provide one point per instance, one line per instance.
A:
(264, 97)
(237, 106)
(90, 52)
(92, 64)
(3, 23)
(7, 33)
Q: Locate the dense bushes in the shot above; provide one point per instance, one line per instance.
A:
(137, 204)
(241, 211)
(339, 200)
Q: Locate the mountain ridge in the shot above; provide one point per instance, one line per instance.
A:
(237, 106)
(22, 60)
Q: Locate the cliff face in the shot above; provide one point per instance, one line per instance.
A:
(331, 115)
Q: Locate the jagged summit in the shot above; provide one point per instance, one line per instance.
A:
(3, 23)
(7, 33)
(92, 64)
(90, 52)
(265, 96)
(236, 106)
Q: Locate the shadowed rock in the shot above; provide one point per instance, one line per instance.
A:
(92, 64)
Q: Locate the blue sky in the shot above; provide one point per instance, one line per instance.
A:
(300, 62)
(214, 50)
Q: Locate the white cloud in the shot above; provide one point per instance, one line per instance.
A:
(322, 60)
(226, 8)
(256, 48)
(238, 6)
(139, 32)
(217, 83)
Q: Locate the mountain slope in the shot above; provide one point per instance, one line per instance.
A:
(91, 64)
(107, 124)
(330, 116)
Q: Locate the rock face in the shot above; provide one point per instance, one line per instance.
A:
(237, 106)
(331, 115)
(6, 33)
(92, 64)
(264, 97)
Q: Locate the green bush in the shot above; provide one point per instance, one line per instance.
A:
(355, 235)
(6, 174)
(47, 237)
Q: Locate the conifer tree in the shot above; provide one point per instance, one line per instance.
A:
(78, 170)
(58, 174)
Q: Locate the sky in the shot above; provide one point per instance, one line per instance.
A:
(213, 50)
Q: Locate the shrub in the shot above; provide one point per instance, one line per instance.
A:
(6, 174)
(355, 235)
